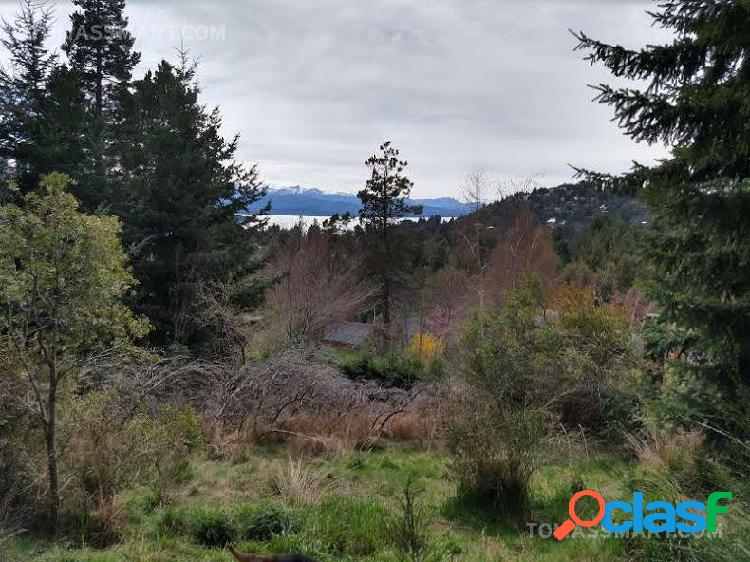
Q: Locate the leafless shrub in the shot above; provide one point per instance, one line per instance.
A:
(510, 186)
(221, 309)
(260, 394)
(423, 421)
(494, 258)
(296, 395)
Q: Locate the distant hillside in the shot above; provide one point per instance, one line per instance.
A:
(576, 205)
(314, 202)
(570, 207)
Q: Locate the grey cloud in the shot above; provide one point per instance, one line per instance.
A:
(313, 87)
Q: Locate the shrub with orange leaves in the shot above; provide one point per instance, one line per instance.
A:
(425, 346)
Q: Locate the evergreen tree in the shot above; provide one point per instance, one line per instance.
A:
(384, 202)
(66, 140)
(44, 125)
(23, 92)
(100, 48)
(100, 51)
(605, 254)
(697, 100)
(185, 194)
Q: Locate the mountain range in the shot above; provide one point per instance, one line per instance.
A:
(316, 202)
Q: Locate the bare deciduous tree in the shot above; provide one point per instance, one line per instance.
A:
(508, 187)
(314, 289)
(475, 188)
(524, 246)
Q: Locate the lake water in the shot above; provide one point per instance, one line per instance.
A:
(289, 221)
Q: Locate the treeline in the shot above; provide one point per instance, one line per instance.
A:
(121, 214)
(144, 149)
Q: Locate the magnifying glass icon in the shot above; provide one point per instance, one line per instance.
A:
(569, 524)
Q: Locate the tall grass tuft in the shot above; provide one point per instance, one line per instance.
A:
(665, 450)
(211, 527)
(295, 484)
(266, 522)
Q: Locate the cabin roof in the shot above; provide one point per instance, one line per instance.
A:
(349, 333)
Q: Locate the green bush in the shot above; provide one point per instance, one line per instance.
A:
(495, 454)
(144, 502)
(17, 501)
(211, 527)
(171, 520)
(112, 448)
(498, 435)
(397, 369)
(525, 370)
(409, 531)
(731, 545)
(604, 410)
(678, 466)
(264, 523)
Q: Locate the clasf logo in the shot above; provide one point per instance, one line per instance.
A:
(688, 517)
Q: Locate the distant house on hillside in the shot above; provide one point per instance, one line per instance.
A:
(350, 334)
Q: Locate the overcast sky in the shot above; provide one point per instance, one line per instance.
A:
(314, 86)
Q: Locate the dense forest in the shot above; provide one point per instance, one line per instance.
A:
(176, 374)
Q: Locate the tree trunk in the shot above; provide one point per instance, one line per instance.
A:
(386, 275)
(387, 303)
(52, 472)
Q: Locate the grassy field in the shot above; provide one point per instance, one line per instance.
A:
(342, 509)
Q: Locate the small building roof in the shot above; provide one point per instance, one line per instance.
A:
(349, 333)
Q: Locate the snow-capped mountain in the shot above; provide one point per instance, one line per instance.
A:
(297, 200)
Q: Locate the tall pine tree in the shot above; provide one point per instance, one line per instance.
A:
(100, 48)
(44, 124)
(186, 194)
(696, 100)
(23, 93)
(100, 52)
(384, 202)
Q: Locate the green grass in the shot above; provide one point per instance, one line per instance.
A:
(348, 520)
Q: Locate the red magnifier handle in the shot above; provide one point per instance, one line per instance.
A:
(564, 530)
